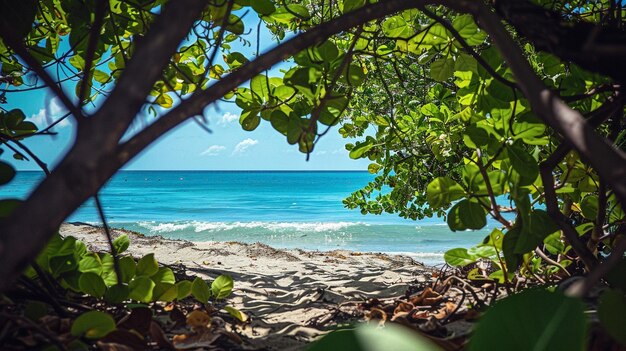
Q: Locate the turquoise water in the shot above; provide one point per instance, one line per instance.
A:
(282, 209)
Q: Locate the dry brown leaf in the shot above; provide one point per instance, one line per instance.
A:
(427, 297)
(445, 311)
(198, 320)
(417, 314)
(403, 307)
(376, 313)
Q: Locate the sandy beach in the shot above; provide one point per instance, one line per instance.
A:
(291, 296)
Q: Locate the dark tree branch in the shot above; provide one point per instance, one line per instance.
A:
(552, 206)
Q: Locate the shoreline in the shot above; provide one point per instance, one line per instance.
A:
(286, 292)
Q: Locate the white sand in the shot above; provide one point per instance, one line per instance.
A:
(290, 295)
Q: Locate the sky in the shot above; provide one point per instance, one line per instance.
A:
(189, 147)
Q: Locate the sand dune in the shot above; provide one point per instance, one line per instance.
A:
(292, 296)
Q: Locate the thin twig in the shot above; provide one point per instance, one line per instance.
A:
(107, 232)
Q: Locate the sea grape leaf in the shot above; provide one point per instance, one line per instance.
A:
(222, 286)
(117, 294)
(236, 313)
(442, 191)
(183, 289)
(147, 265)
(458, 257)
(128, 268)
(466, 214)
(92, 284)
(121, 243)
(532, 320)
(200, 290)
(93, 325)
(612, 314)
(538, 226)
(141, 289)
(589, 207)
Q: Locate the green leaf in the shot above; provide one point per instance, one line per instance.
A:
(532, 320)
(263, 7)
(200, 290)
(589, 207)
(7, 173)
(165, 292)
(369, 338)
(236, 313)
(19, 16)
(93, 325)
(351, 5)
(121, 243)
(617, 276)
(235, 25)
(354, 76)
(279, 121)
(108, 269)
(249, 120)
(183, 289)
(538, 226)
(442, 191)
(466, 214)
(522, 162)
(458, 257)
(100, 76)
(164, 275)
(442, 69)
(513, 259)
(222, 286)
(117, 294)
(612, 314)
(141, 289)
(128, 268)
(92, 284)
(360, 149)
(468, 29)
(147, 265)
(164, 100)
(90, 263)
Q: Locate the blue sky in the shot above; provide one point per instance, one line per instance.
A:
(189, 147)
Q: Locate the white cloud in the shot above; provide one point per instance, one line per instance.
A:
(244, 145)
(55, 107)
(51, 113)
(213, 150)
(227, 118)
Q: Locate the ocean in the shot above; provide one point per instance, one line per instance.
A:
(284, 209)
